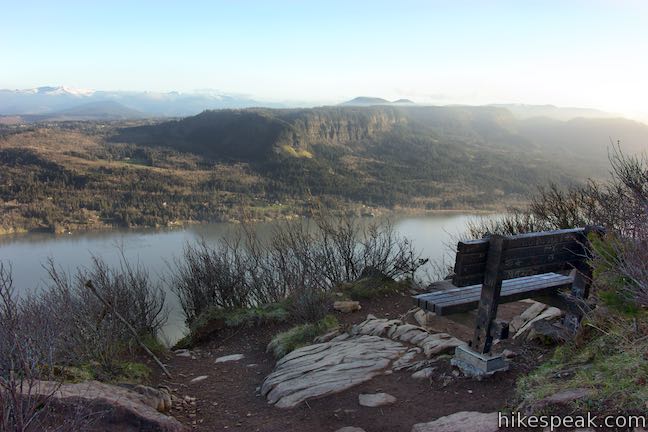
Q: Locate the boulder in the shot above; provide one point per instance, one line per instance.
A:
(547, 333)
(376, 400)
(530, 313)
(347, 306)
(548, 315)
(115, 407)
(461, 422)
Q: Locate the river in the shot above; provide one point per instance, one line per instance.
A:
(154, 249)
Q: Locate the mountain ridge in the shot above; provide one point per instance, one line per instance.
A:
(370, 101)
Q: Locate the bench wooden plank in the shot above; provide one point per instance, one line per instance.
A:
(518, 255)
(457, 293)
(505, 297)
(571, 246)
(470, 293)
(524, 240)
(461, 299)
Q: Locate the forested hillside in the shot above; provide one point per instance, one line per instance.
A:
(270, 163)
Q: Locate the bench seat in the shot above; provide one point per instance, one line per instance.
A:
(448, 299)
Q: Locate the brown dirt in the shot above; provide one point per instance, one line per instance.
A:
(228, 400)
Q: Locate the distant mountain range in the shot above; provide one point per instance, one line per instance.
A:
(66, 103)
(523, 111)
(371, 101)
(51, 101)
(100, 110)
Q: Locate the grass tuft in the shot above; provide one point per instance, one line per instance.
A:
(300, 336)
(610, 361)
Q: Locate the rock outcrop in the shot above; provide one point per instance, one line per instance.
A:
(116, 407)
(373, 347)
(321, 369)
(431, 343)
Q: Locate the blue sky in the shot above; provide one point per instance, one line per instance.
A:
(570, 52)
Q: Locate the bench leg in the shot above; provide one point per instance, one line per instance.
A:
(580, 290)
(490, 294)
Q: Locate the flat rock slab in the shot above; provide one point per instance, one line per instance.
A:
(321, 369)
(350, 429)
(229, 358)
(117, 408)
(461, 422)
(376, 400)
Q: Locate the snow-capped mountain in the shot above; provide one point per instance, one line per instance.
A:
(56, 91)
(46, 100)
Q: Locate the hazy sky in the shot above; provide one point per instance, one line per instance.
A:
(568, 52)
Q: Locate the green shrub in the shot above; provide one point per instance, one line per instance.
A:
(300, 336)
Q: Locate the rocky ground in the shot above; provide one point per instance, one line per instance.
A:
(231, 383)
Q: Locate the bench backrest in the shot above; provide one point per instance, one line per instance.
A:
(522, 255)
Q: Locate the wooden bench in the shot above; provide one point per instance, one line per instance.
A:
(502, 269)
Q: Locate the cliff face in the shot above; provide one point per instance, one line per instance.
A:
(256, 134)
(337, 126)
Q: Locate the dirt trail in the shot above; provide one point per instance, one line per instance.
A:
(228, 398)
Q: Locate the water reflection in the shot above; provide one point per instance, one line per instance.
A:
(155, 249)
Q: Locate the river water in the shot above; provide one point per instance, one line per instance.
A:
(155, 249)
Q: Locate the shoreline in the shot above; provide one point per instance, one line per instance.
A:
(379, 213)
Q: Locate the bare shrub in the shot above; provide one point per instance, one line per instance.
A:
(86, 329)
(209, 276)
(28, 347)
(302, 261)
